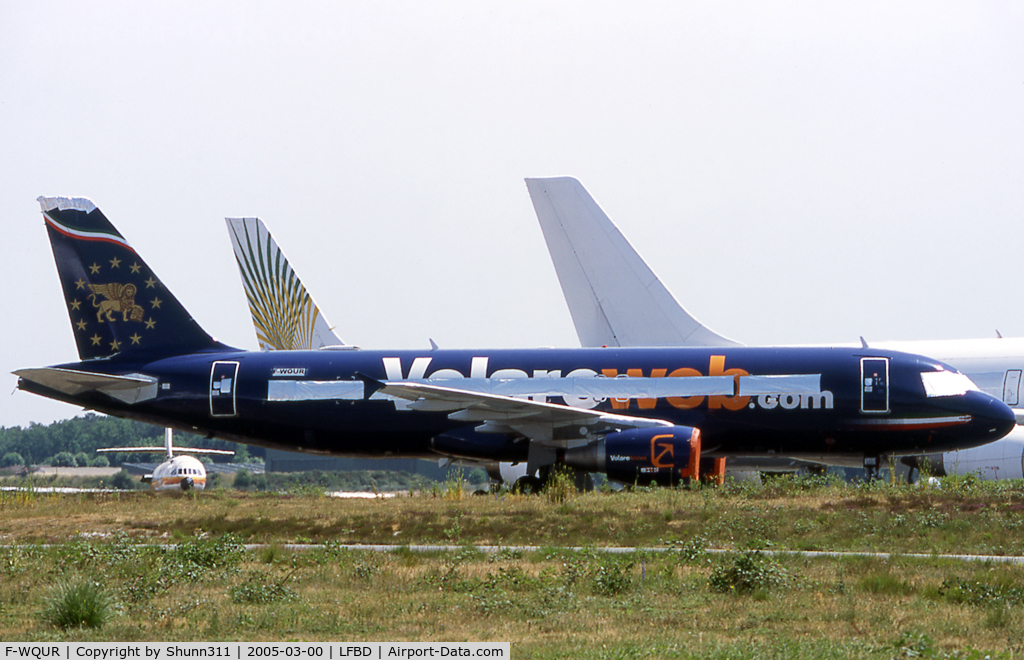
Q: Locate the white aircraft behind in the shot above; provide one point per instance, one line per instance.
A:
(615, 299)
(175, 472)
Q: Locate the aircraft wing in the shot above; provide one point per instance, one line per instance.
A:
(519, 404)
(130, 389)
(629, 387)
(537, 420)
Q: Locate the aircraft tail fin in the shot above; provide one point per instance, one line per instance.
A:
(116, 303)
(285, 315)
(614, 297)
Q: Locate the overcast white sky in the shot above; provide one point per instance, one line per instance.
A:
(795, 172)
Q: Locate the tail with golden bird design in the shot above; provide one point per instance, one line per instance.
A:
(285, 315)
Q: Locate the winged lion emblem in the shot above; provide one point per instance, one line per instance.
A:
(117, 298)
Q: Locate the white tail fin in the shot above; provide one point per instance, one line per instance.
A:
(614, 297)
(285, 315)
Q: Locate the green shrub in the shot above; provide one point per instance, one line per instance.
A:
(976, 592)
(63, 459)
(693, 551)
(752, 571)
(365, 567)
(492, 600)
(884, 583)
(242, 479)
(218, 552)
(123, 481)
(12, 458)
(260, 593)
(72, 605)
(611, 577)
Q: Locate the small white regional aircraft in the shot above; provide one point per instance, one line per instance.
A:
(615, 299)
(176, 472)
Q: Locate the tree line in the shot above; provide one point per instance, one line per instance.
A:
(80, 437)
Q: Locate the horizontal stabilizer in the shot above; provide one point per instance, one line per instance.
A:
(161, 450)
(129, 389)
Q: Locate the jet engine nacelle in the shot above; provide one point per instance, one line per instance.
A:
(665, 455)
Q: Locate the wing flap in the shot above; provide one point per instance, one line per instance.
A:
(782, 384)
(537, 420)
(588, 388)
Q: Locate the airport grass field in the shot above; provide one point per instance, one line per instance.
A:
(136, 566)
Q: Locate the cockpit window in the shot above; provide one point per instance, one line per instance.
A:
(946, 383)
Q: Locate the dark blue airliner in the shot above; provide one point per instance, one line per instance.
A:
(639, 415)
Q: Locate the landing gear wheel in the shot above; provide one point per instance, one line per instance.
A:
(528, 485)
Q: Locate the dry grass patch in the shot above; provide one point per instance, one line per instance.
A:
(549, 603)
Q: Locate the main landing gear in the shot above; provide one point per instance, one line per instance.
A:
(528, 485)
(531, 485)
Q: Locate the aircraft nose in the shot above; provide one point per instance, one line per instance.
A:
(992, 419)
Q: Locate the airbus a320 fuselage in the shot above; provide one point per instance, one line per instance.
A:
(639, 415)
